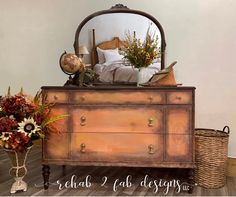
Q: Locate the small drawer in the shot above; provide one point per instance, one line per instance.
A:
(118, 97)
(117, 147)
(56, 97)
(179, 97)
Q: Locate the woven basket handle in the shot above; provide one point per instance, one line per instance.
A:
(228, 130)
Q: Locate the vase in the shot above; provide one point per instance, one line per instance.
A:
(140, 77)
(18, 169)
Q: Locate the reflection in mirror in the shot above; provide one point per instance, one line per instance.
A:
(112, 25)
(112, 57)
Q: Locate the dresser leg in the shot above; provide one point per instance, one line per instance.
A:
(191, 180)
(46, 173)
(63, 170)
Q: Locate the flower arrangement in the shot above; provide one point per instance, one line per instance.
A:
(23, 120)
(141, 54)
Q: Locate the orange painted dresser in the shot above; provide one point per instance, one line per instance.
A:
(121, 126)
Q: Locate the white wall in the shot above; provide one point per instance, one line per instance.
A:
(200, 35)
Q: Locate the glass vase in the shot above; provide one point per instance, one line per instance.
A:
(140, 77)
(18, 169)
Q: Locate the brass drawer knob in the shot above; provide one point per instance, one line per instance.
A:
(82, 98)
(82, 148)
(55, 97)
(150, 98)
(83, 121)
(151, 149)
(150, 122)
(178, 98)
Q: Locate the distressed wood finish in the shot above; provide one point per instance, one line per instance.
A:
(178, 148)
(122, 126)
(56, 146)
(120, 97)
(116, 147)
(119, 119)
(179, 97)
(56, 97)
(179, 120)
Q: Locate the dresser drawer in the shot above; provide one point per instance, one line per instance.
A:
(115, 147)
(56, 97)
(184, 97)
(57, 132)
(118, 97)
(59, 126)
(56, 146)
(119, 119)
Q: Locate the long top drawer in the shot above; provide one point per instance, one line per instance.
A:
(85, 97)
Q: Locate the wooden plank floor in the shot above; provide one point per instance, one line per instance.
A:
(34, 180)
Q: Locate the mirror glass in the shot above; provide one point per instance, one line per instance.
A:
(108, 26)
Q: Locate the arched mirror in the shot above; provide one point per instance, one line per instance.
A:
(104, 32)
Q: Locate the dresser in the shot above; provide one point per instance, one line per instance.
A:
(120, 126)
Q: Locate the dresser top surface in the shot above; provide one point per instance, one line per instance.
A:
(120, 87)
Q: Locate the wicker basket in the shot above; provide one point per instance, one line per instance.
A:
(211, 157)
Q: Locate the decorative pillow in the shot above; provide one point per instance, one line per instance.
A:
(112, 56)
(101, 58)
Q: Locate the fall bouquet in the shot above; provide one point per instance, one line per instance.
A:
(141, 53)
(22, 120)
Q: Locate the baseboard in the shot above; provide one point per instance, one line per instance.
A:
(231, 166)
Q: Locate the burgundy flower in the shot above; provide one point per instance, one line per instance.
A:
(17, 141)
(23, 120)
(13, 104)
(38, 117)
(7, 124)
(18, 106)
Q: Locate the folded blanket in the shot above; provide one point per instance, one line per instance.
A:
(118, 71)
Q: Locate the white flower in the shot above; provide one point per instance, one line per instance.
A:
(5, 136)
(22, 131)
(28, 126)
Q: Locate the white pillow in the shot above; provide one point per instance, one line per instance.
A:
(112, 56)
(101, 58)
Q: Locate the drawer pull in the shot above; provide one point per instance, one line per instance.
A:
(82, 98)
(150, 98)
(151, 149)
(178, 98)
(55, 97)
(83, 121)
(82, 148)
(150, 122)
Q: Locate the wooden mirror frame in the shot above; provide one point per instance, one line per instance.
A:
(120, 8)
